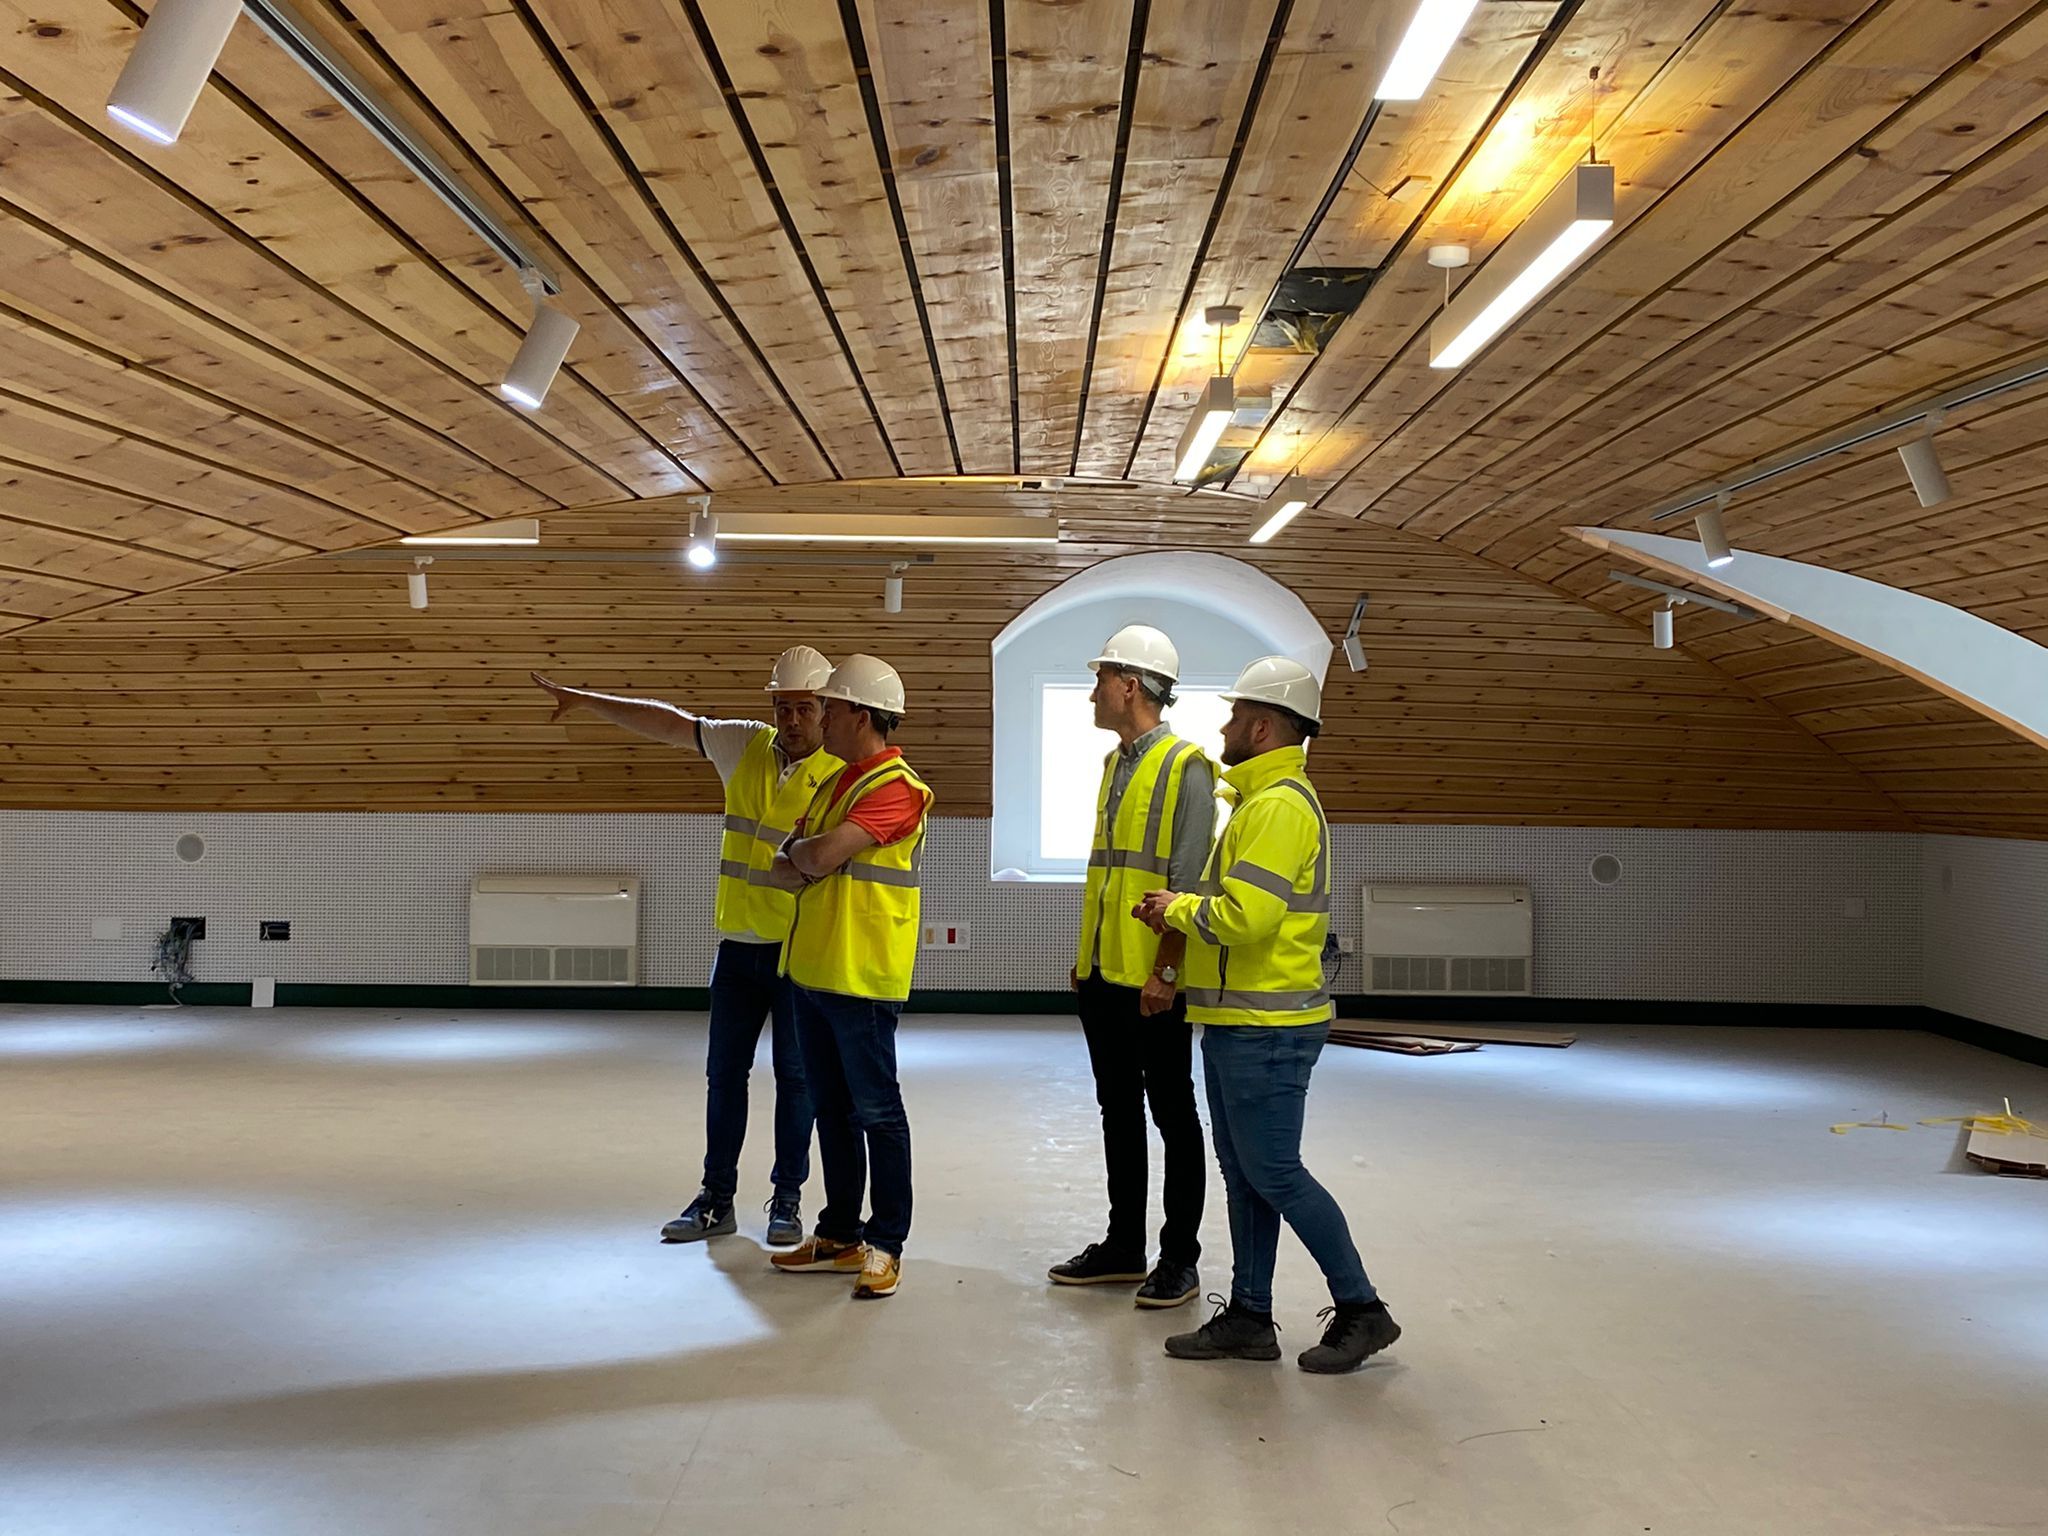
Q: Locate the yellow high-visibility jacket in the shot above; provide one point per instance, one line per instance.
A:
(761, 807)
(855, 930)
(1128, 861)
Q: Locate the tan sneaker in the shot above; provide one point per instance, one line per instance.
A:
(821, 1256)
(879, 1275)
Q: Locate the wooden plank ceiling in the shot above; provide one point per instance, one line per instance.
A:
(821, 241)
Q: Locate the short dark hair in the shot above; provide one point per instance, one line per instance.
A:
(1158, 689)
(1303, 728)
(883, 721)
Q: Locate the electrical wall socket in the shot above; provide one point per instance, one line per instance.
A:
(942, 935)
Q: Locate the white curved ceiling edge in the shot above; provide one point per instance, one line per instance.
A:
(1992, 670)
(1207, 580)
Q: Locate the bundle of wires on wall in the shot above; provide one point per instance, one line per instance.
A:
(173, 959)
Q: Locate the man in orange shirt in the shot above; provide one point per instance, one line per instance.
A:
(853, 862)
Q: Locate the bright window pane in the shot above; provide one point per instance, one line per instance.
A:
(1071, 750)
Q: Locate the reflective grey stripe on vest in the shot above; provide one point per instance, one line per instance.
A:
(1276, 884)
(1257, 1002)
(1155, 815)
(746, 872)
(760, 831)
(1123, 858)
(1202, 922)
(881, 875)
(1321, 887)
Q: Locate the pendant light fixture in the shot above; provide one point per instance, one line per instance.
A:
(1565, 225)
(1218, 403)
(1289, 500)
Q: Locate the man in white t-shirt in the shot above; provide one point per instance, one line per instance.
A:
(770, 773)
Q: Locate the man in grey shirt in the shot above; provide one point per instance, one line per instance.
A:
(1156, 816)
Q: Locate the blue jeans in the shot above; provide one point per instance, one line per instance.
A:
(850, 1060)
(1258, 1088)
(745, 992)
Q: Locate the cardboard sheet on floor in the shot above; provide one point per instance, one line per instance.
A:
(1404, 1045)
(1443, 1029)
(2007, 1151)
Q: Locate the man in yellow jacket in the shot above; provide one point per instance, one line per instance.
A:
(1254, 982)
(1155, 817)
(853, 863)
(770, 773)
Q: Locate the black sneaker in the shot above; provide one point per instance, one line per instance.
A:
(1354, 1335)
(703, 1217)
(1169, 1285)
(1096, 1265)
(1232, 1334)
(785, 1222)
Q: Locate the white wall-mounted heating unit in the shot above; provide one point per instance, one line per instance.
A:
(554, 930)
(1447, 938)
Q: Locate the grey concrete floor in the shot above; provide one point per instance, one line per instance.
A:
(312, 1271)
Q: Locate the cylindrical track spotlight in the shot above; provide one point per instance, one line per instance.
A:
(416, 581)
(1923, 468)
(540, 357)
(1714, 534)
(1660, 628)
(167, 68)
(702, 550)
(892, 594)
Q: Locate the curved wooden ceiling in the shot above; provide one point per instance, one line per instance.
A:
(825, 240)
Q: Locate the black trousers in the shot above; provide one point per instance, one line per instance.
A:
(1139, 1060)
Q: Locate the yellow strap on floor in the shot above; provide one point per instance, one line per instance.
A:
(1867, 1125)
(2007, 1124)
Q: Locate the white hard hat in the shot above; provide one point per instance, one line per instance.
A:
(866, 680)
(1141, 648)
(799, 670)
(1283, 683)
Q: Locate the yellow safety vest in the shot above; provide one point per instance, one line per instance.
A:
(1128, 860)
(1256, 928)
(761, 806)
(855, 930)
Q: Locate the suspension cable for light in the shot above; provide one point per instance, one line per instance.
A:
(1425, 46)
(1218, 403)
(1565, 225)
(1288, 501)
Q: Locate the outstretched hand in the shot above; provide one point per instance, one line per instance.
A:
(565, 699)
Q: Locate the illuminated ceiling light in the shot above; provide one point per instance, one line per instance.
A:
(1288, 501)
(702, 550)
(540, 356)
(1423, 50)
(1578, 211)
(1923, 466)
(1218, 403)
(169, 64)
(416, 581)
(504, 532)
(1714, 533)
(896, 528)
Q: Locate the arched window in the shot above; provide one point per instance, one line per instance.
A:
(1047, 753)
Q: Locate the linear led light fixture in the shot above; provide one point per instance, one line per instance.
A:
(1681, 595)
(1288, 501)
(1427, 43)
(1565, 225)
(510, 532)
(901, 528)
(1212, 413)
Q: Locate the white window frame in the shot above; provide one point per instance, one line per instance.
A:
(1073, 871)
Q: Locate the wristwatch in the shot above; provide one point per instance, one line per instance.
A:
(1170, 974)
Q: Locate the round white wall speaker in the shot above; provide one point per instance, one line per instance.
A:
(191, 848)
(1605, 870)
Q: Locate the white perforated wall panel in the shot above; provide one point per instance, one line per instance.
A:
(1986, 901)
(1729, 916)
